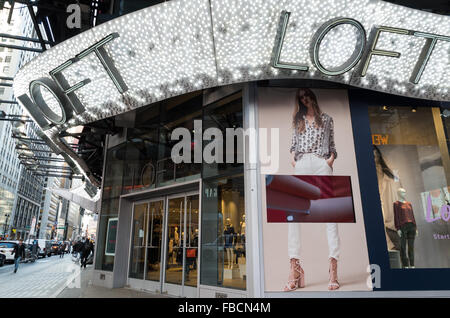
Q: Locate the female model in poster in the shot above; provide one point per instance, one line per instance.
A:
(312, 153)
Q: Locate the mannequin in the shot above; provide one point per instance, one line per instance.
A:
(241, 239)
(228, 233)
(242, 223)
(387, 189)
(405, 224)
(176, 236)
(175, 244)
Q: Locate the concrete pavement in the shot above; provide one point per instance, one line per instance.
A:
(83, 288)
(58, 277)
(44, 278)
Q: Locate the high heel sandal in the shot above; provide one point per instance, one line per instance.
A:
(297, 282)
(333, 284)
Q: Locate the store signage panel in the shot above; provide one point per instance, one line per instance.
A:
(183, 46)
(111, 236)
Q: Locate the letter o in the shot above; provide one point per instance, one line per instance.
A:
(36, 87)
(354, 58)
(445, 213)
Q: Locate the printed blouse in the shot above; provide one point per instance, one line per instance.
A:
(316, 140)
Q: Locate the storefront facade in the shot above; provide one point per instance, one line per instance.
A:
(225, 227)
(159, 204)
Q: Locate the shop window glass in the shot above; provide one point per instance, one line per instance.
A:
(413, 168)
(112, 189)
(226, 116)
(223, 256)
(107, 223)
(177, 113)
(149, 147)
(113, 178)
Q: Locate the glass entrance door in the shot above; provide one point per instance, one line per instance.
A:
(175, 241)
(138, 236)
(182, 245)
(164, 245)
(154, 240)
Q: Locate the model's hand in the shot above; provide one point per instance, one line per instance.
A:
(330, 161)
(399, 233)
(293, 162)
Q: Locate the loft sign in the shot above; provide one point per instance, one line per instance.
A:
(69, 105)
(64, 94)
(363, 51)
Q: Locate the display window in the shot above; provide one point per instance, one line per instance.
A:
(223, 257)
(410, 147)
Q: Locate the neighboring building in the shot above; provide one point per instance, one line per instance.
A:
(20, 195)
(50, 207)
(89, 225)
(74, 218)
(22, 190)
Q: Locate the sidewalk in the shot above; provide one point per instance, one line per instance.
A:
(88, 290)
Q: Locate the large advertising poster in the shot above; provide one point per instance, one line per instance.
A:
(313, 227)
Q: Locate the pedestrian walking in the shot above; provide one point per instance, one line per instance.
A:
(62, 249)
(35, 249)
(85, 251)
(77, 249)
(19, 253)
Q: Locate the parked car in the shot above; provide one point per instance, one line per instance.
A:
(2, 259)
(44, 247)
(55, 248)
(6, 248)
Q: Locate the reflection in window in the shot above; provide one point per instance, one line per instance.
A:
(112, 189)
(149, 146)
(413, 169)
(226, 116)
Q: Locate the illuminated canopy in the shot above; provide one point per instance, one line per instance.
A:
(181, 46)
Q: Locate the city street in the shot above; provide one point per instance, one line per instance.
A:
(47, 277)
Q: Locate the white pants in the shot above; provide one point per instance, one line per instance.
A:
(310, 164)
